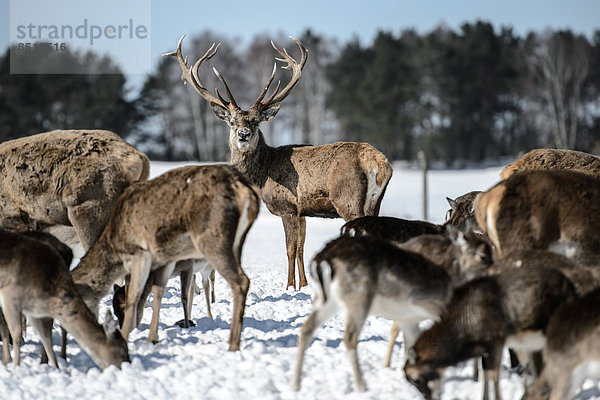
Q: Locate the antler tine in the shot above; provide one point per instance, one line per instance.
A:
(266, 88)
(229, 94)
(191, 74)
(296, 68)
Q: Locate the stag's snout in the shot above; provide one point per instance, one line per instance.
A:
(244, 134)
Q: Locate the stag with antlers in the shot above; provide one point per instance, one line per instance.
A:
(343, 179)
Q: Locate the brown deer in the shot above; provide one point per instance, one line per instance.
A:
(485, 314)
(363, 276)
(185, 269)
(461, 216)
(66, 177)
(346, 180)
(547, 159)
(546, 210)
(198, 212)
(35, 282)
(572, 351)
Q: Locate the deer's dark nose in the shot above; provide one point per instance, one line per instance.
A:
(243, 133)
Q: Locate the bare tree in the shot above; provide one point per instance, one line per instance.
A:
(560, 61)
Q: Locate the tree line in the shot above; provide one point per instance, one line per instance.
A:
(469, 94)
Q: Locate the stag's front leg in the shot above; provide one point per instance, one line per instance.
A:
(139, 267)
(187, 277)
(300, 251)
(161, 277)
(291, 228)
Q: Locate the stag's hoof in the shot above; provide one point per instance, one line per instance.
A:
(181, 323)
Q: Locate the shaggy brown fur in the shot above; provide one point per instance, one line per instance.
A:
(66, 177)
(547, 159)
(543, 210)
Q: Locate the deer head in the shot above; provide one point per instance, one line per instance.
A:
(244, 134)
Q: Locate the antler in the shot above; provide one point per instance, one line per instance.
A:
(296, 68)
(191, 75)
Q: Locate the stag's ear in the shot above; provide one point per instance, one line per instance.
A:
(220, 111)
(269, 112)
(110, 326)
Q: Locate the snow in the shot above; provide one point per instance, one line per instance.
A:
(195, 363)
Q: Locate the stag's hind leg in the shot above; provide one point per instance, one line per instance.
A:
(187, 277)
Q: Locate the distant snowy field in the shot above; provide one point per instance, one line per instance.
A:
(195, 363)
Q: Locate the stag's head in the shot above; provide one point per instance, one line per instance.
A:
(244, 133)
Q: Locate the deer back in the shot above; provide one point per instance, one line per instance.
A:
(541, 210)
(44, 174)
(397, 230)
(547, 159)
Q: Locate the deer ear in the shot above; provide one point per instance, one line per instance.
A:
(451, 202)
(110, 326)
(220, 111)
(269, 112)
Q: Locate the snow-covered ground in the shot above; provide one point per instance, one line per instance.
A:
(195, 363)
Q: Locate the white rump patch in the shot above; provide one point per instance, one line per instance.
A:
(373, 192)
(243, 223)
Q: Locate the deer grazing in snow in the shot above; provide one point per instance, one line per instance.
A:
(197, 212)
(550, 159)
(66, 177)
(546, 210)
(35, 282)
(185, 269)
(485, 314)
(346, 180)
(572, 351)
(364, 275)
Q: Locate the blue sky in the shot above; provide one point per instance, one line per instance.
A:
(343, 19)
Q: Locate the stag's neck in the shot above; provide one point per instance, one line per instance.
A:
(255, 164)
(98, 269)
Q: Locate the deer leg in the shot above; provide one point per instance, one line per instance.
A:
(63, 343)
(161, 277)
(43, 327)
(212, 286)
(290, 227)
(300, 251)
(13, 320)
(139, 266)
(317, 317)
(393, 335)
(5, 335)
(206, 286)
(187, 294)
(240, 284)
(354, 324)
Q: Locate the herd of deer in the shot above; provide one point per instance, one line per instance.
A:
(517, 266)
